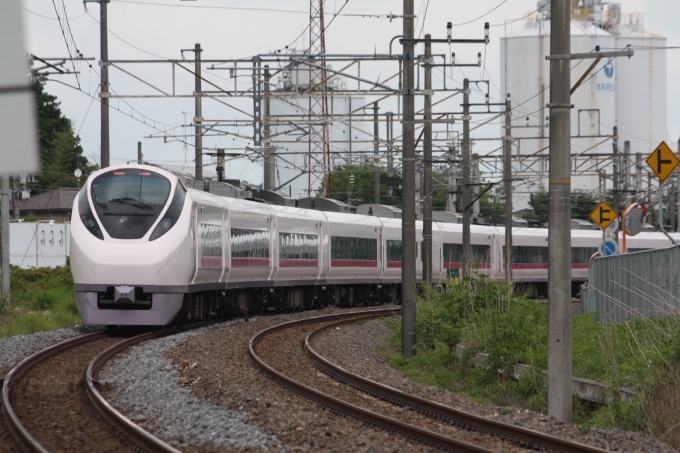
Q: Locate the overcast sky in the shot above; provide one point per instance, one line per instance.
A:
(139, 30)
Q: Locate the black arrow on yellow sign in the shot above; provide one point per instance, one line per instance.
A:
(603, 215)
(662, 161)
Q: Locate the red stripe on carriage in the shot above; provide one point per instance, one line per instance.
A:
(460, 265)
(354, 263)
(211, 261)
(394, 264)
(297, 262)
(250, 262)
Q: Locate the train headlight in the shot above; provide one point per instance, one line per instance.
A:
(163, 227)
(172, 214)
(87, 217)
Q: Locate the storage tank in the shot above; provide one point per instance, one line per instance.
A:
(525, 74)
(628, 93)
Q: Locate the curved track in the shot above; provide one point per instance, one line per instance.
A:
(512, 435)
(114, 432)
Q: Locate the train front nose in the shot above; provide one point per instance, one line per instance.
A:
(116, 251)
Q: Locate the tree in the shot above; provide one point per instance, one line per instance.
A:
(362, 192)
(60, 149)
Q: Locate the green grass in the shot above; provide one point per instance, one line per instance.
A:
(484, 316)
(41, 299)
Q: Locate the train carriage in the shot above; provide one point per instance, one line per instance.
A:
(145, 250)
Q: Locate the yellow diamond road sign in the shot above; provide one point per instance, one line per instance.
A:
(663, 161)
(603, 215)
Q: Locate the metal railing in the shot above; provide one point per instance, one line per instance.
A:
(642, 284)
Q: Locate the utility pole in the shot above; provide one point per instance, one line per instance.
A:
(408, 219)
(376, 155)
(426, 188)
(220, 164)
(476, 180)
(269, 165)
(140, 157)
(616, 197)
(465, 271)
(4, 214)
(638, 174)
(104, 89)
(451, 196)
(627, 183)
(559, 218)
(389, 116)
(16, 192)
(507, 185)
(198, 104)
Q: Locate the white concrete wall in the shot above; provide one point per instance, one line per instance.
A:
(39, 244)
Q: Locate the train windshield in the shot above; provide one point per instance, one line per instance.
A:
(128, 201)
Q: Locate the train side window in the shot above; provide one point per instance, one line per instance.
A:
(351, 248)
(453, 253)
(249, 243)
(393, 250)
(298, 246)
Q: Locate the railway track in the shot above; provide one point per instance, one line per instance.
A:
(51, 400)
(383, 407)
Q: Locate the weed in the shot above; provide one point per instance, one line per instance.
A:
(485, 316)
(40, 299)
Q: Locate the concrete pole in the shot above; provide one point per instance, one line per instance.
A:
(507, 187)
(559, 218)
(627, 182)
(476, 180)
(465, 271)
(104, 88)
(616, 172)
(638, 173)
(408, 219)
(451, 196)
(426, 189)
(140, 156)
(376, 155)
(389, 116)
(15, 197)
(220, 164)
(269, 158)
(4, 214)
(198, 105)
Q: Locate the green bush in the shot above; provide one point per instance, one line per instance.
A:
(40, 299)
(485, 316)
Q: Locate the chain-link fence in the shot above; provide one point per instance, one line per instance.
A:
(641, 284)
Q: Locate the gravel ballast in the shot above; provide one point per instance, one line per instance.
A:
(353, 347)
(145, 386)
(14, 349)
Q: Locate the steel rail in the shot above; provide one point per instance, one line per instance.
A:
(525, 437)
(104, 408)
(15, 425)
(338, 406)
(89, 377)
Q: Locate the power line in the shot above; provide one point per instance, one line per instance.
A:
(126, 42)
(51, 18)
(483, 15)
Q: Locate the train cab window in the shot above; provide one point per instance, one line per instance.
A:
(348, 248)
(128, 201)
(453, 253)
(249, 243)
(298, 246)
(393, 250)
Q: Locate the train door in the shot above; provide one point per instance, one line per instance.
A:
(209, 244)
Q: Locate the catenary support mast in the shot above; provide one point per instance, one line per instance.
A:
(426, 189)
(559, 218)
(408, 220)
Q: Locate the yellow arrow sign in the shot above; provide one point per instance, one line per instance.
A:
(603, 215)
(663, 161)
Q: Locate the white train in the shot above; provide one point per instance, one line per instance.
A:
(146, 250)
